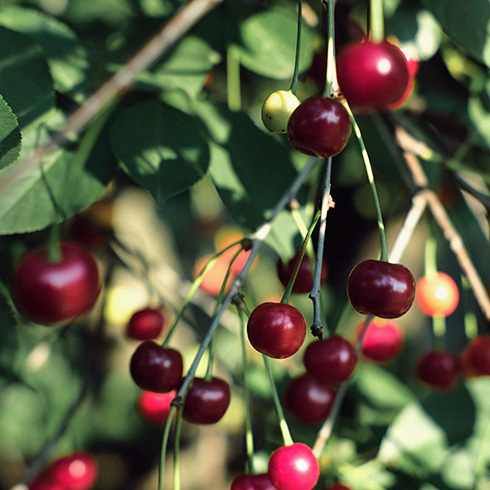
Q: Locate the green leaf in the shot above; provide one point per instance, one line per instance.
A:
(35, 196)
(267, 43)
(25, 80)
(67, 58)
(250, 168)
(186, 68)
(467, 25)
(160, 147)
(10, 137)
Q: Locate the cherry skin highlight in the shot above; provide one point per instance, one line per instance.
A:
(319, 126)
(56, 292)
(293, 467)
(331, 360)
(277, 330)
(381, 288)
(156, 368)
(206, 401)
(372, 75)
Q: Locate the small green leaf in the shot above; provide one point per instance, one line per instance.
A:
(25, 80)
(267, 43)
(10, 137)
(67, 58)
(467, 25)
(160, 147)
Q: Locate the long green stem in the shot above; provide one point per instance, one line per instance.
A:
(233, 84)
(331, 84)
(286, 435)
(178, 431)
(163, 451)
(376, 20)
(294, 80)
(370, 175)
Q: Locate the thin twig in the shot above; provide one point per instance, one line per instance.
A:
(173, 30)
(444, 222)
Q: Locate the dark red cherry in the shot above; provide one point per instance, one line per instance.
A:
(293, 467)
(475, 358)
(304, 279)
(145, 324)
(372, 75)
(206, 401)
(438, 369)
(381, 288)
(277, 330)
(331, 360)
(319, 126)
(309, 400)
(52, 292)
(247, 481)
(156, 368)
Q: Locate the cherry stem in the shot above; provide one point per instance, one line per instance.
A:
(317, 327)
(372, 184)
(306, 242)
(178, 432)
(470, 319)
(233, 79)
(256, 239)
(249, 442)
(294, 80)
(54, 240)
(376, 21)
(286, 435)
(331, 84)
(163, 452)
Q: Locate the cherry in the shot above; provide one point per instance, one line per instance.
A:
(277, 109)
(293, 467)
(277, 330)
(304, 278)
(438, 369)
(319, 126)
(154, 408)
(156, 368)
(337, 486)
(372, 75)
(247, 481)
(76, 471)
(381, 288)
(45, 482)
(206, 401)
(145, 324)
(475, 358)
(331, 360)
(309, 400)
(54, 292)
(382, 340)
(413, 68)
(437, 294)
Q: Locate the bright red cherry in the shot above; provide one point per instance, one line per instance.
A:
(475, 358)
(154, 408)
(293, 467)
(277, 330)
(438, 369)
(45, 482)
(54, 292)
(247, 481)
(381, 288)
(437, 294)
(372, 75)
(304, 278)
(382, 341)
(319, 126)
(145, 324)
(331, 360)
(206, 401)
(156, 368)
(76, 471)
(309, 400)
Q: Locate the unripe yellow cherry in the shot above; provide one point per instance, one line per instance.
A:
(277, 109)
